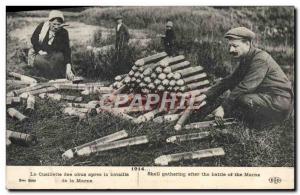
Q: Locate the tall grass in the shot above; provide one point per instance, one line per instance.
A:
(272, 24)
(200, 30)
(199, 34)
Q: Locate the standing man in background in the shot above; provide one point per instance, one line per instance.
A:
(122, 39)
(169, 39)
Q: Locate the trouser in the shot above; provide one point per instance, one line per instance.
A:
(169, 49)
(262, 108)
(122, 59)
(50, 65)
(255, 109)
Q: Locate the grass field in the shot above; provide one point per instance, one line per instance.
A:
(270, 146)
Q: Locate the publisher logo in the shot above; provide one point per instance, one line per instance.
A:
(275, 180)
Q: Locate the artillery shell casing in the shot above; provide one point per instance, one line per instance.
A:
(16, 114)
(17, 82)
(187, 137)
(21, 138)
(153, 75)
(171, 60)
(150, 59)
(179, 74)
(129, 109)
(43, 90)
(196, 85)
(186, 114)
(206, 124)
(166, 118)
(11, 100)
(109, 138)
(177, 66)
(158, 70)
(30, 103)
(120, 77)
(56, 81)
(199, 154)
(30, 88)
(191, 79)
(162, 76)
(112, 145)
(146, 117)
(22, 77)
(73, 112)
(80, 105)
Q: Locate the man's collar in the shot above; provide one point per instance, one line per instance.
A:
(249, 55)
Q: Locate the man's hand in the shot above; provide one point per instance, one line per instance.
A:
(41, 52)
(69, 74)
(219, 115)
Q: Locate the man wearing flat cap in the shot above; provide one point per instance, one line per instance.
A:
(259, 89)
(122, 39)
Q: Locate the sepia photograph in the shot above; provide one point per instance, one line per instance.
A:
(149, 89)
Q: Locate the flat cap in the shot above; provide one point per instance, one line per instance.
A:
(240, 33)
(169, 24)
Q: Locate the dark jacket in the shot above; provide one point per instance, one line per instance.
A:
(169, 41)
(169, 37)
(122, 37)
(257, 73)
(61, 43)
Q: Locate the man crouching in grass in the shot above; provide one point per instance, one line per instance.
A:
(260, 92)
(51, 53)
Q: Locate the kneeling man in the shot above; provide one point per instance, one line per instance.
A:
(259, 89)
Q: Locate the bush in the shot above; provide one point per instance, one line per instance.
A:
(100, 39)
(104, 65)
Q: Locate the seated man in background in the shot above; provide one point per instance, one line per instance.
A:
(259, 89)
(51, 53)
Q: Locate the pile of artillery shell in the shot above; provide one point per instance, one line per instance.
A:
(160, 73)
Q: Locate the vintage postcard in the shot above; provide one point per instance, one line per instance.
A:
(150, 98)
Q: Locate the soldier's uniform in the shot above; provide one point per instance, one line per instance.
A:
(259, 89)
